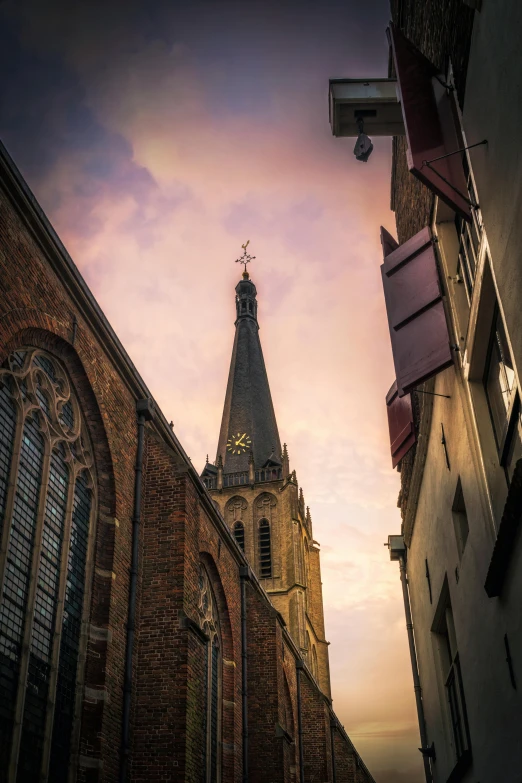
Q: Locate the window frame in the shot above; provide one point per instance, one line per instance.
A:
(239, 527)
(472, 323)
(27, 376)
(460, 514)
(210, 625)
(504, 439)
(449, 676)
(264, 524)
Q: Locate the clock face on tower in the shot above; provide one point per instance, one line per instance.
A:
(238, 444)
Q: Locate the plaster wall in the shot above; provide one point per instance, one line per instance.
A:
(493, 111)
(494, 708)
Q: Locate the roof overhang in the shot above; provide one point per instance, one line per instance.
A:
(374, 100)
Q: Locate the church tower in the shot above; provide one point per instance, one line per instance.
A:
(259, 496)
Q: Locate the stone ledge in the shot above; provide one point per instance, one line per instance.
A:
(88, 762)
(95, 695)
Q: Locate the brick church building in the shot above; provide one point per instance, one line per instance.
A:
(155, 625)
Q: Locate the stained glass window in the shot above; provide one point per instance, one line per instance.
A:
(46, 520)
(209, 623)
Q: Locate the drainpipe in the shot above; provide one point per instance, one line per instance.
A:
(144, 411)
(333, 727)
(244, 575)
(299, 665)
(397, 549)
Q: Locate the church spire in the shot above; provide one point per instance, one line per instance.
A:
(248, 424)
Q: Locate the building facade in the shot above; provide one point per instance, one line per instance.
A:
(452, 282)
(142, 636)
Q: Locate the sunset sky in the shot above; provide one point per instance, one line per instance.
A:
(158, 138)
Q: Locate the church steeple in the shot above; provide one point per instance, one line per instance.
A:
(249, 423)
(259, 496)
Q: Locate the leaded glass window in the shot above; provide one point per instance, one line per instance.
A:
(209, 623)
(46, 505)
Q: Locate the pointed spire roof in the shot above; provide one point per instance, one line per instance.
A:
(249, 422)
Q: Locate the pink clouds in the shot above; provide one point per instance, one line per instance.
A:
(156, 237)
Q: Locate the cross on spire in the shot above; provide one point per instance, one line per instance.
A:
(245, 259)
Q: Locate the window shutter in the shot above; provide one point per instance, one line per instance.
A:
(400, 423)
(430, 120)
(416, 317)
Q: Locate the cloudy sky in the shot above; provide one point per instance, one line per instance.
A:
(159, 139)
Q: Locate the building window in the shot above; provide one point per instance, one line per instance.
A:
(452, 679)
(265, 554)
(503, 397)
(209, 623)
(315, 665)
(46, 507)
(460, 519)
(239, 534)
(470, 237)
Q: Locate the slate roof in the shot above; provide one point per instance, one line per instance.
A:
(248, 403)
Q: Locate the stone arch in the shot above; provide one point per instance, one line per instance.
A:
(308, 649)
(57, 346)
(101, 544)
(229, 660)
(288, 708)
(315, 666)
(265, 506)
(306, 562)
(222, 605)
(289, 725)
(235, 509)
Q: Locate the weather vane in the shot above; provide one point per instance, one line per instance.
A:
(245, 259)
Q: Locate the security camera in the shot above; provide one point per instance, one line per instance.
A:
(363, 147)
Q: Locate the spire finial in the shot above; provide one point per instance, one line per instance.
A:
(245, 259)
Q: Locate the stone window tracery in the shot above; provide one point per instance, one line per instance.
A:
(236, 508)
(47, 504)
(209, 623)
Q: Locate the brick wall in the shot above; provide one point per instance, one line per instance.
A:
(35, 310)
(316, 736)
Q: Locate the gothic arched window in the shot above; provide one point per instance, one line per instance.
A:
(265, 551)
(315, 666)
(47, 502)
(239, 534)
(209, 623)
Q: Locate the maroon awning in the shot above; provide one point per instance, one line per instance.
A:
(416, 318)
(430, 120)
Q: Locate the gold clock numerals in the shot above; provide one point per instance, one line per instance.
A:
(239, 444)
